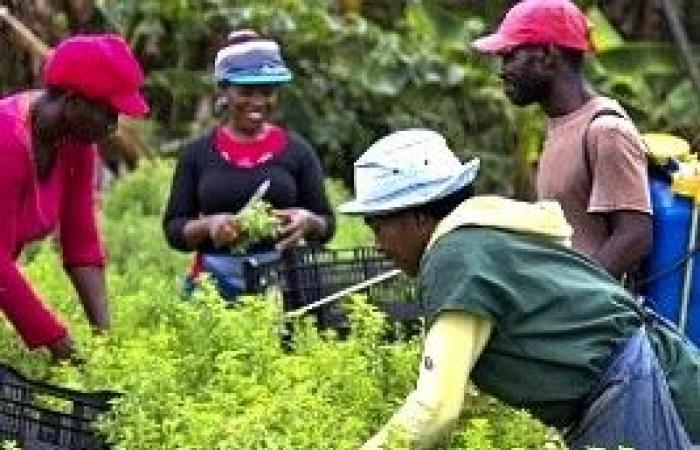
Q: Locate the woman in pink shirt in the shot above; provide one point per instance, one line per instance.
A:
(47, 160)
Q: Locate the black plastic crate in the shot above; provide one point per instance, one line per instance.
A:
(308, 274)
(40, 416)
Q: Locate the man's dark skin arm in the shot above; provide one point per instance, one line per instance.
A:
(89, 283)
(629, 242)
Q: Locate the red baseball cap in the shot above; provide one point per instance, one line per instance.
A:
(99, 67)
(557, 22)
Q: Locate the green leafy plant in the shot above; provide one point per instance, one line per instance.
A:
(258, 222)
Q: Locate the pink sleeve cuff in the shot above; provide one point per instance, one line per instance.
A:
(49, 336)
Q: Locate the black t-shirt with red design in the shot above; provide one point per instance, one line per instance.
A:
(207, 182)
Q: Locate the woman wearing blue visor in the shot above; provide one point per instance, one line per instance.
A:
(510, 306)
(219, 172)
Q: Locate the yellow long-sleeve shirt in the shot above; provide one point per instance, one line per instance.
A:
(451, 349)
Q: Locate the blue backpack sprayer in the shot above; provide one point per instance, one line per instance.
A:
(670, 279)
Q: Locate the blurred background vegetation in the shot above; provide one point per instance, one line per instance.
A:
(366, 67)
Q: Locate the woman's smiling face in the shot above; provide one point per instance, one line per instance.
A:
(250, 106)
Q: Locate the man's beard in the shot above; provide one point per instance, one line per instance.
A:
(526, 91)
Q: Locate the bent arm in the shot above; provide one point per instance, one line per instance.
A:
(452, 346)
(629, 242)
(313, 196)
(34, 322)
(620, 192)
(32, 319)
(184, 229)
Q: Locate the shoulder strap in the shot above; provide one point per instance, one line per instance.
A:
(586, 153)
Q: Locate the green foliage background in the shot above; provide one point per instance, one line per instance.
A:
(354, 80)
(357, 79)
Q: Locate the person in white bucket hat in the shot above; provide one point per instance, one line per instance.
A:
(407, 168)
(511, 306)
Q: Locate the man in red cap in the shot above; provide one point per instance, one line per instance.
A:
(593, 161)
(47, 159)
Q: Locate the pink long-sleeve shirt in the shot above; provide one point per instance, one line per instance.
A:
(31, 209)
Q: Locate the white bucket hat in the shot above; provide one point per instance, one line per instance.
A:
(406, 168)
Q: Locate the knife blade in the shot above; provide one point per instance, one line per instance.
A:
(257, 195)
